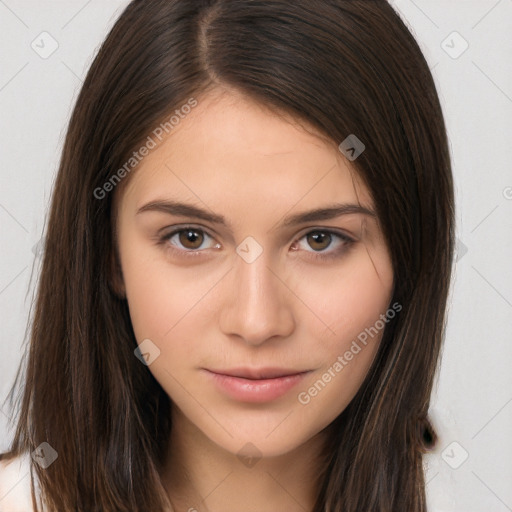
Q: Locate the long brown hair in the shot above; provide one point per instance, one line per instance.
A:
(342, 66)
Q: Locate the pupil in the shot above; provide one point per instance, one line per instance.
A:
(191, 239)
(320, 238)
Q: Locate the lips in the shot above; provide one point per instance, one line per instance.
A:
(258, 373)
(255, 385)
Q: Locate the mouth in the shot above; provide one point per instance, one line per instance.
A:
(258, 373)
(256, 385)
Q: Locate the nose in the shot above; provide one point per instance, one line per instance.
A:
(258, 304)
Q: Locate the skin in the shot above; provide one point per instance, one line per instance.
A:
(287, 308)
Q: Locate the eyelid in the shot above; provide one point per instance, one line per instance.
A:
(180, 227)
(327, 229)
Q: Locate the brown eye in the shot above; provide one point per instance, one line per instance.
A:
(191, 238)
(319, 240)
(188, 241)
(323, 244)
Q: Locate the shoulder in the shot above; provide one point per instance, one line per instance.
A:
(15, 493)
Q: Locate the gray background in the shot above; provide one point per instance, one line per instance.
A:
(472, 402)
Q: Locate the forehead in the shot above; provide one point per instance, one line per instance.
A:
(232, 151)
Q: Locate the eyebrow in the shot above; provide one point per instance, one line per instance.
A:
(189, 210)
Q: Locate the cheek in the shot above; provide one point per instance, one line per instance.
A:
(161, 297)
(169, 306)
(350, 304)
(348, 300)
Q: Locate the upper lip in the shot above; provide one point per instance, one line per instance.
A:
(258, 373)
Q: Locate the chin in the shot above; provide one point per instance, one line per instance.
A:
(271, 436)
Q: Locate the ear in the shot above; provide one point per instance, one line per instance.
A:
(116, 280)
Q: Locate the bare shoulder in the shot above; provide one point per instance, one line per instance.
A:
(15, 495)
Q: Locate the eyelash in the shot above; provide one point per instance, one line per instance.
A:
(346, 242)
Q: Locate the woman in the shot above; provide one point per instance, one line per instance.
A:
(247, 262)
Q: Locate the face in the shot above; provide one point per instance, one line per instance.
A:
(260, 317)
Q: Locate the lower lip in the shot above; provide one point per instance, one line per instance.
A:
(248, 390)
